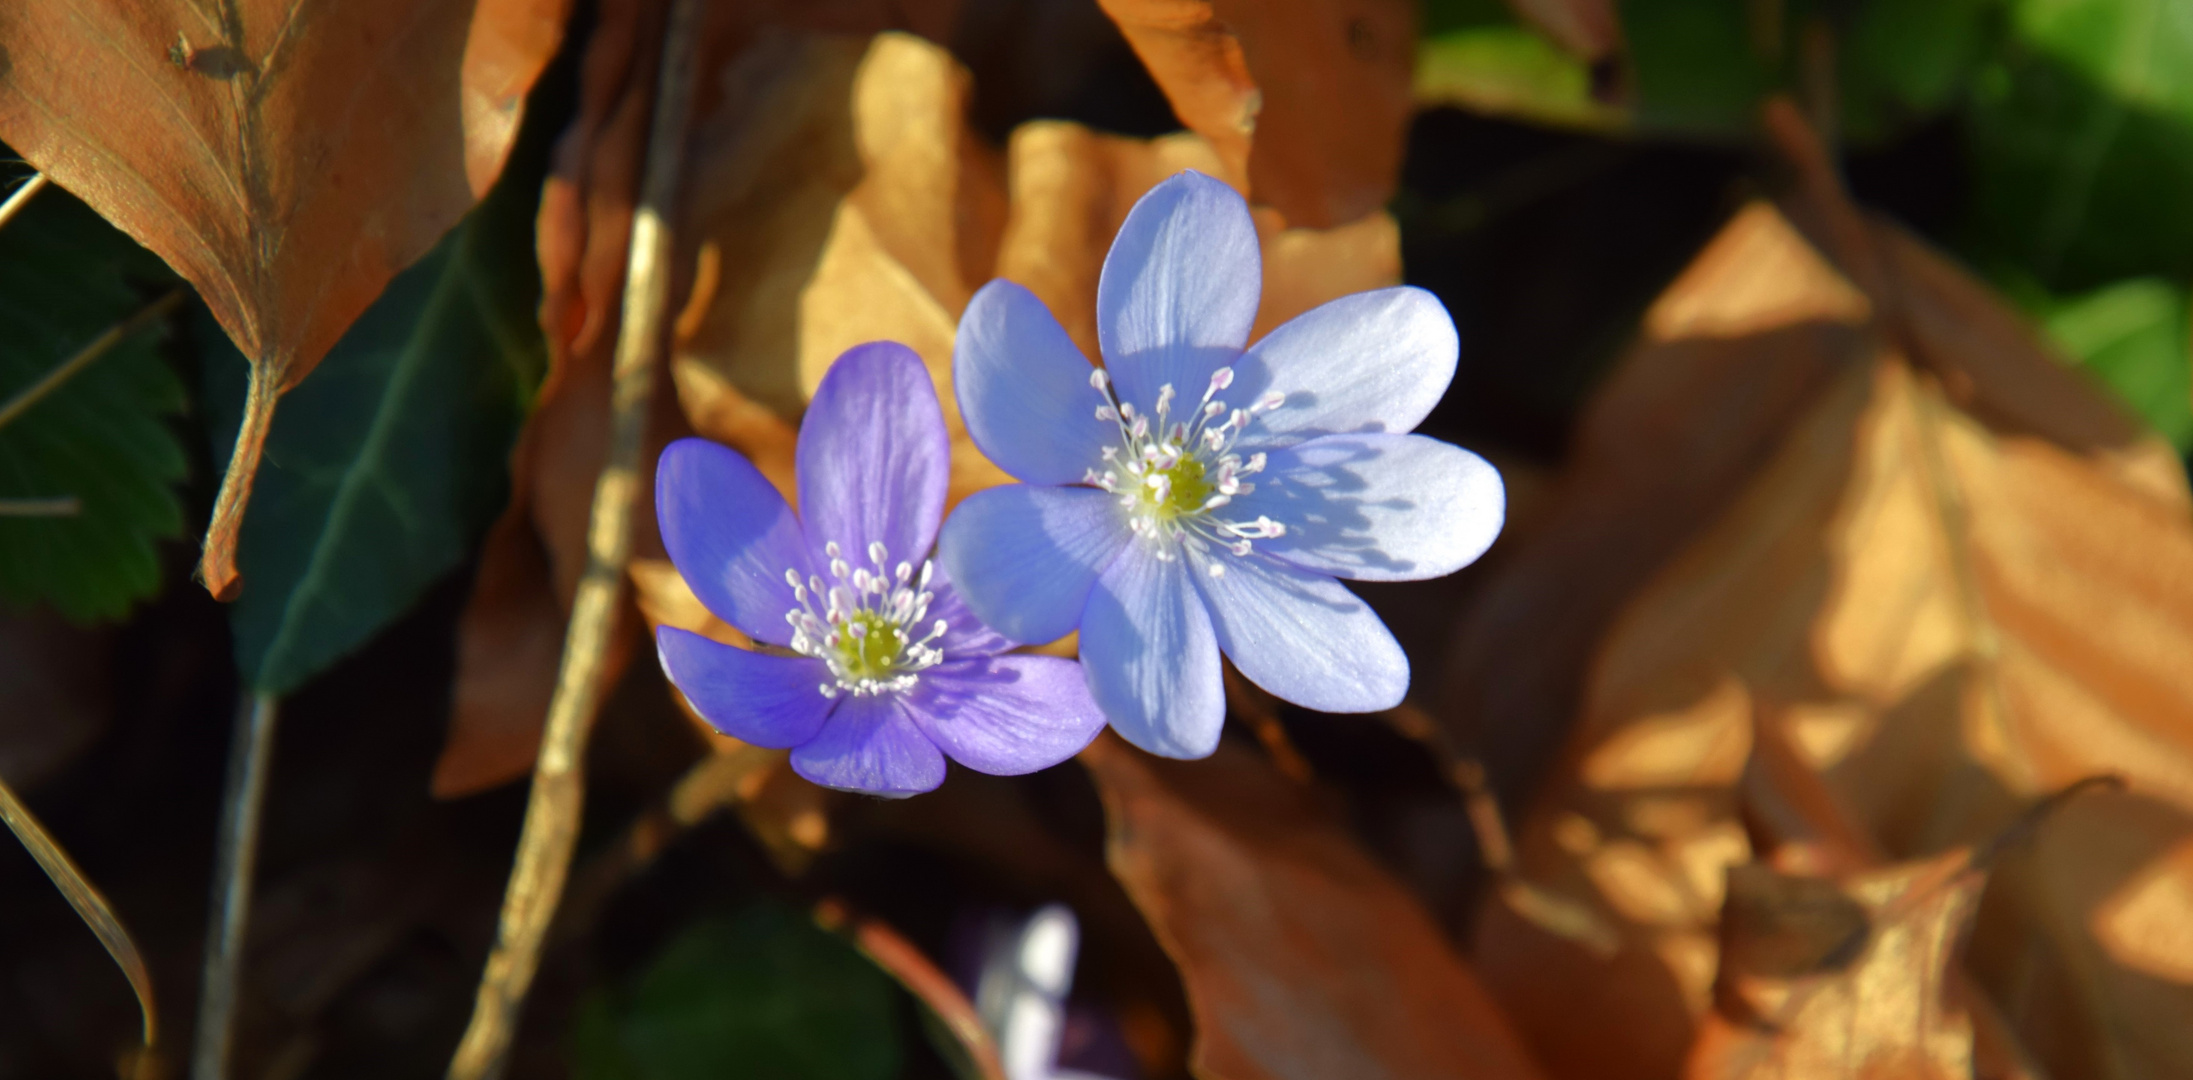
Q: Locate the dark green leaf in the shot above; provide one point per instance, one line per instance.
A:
(2082, 143)
(104, 436)
(386, 465)
(762, 995)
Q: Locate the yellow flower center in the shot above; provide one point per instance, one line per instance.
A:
(1177, 491)
(868, 646)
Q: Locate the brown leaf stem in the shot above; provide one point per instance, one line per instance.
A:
(250, 749)
(90, 904)
(217, 565)
(553, 806)
(22, 197)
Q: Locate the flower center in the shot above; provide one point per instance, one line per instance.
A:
(864, 632)
(1174, 476)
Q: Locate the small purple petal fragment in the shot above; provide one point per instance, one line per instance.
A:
(1151, 656)
(1179, 288)
(772, 701)
(1374, 361)
(1007, 715)
(1024, 388)
(873, 456)
(1303, 636)
(1378, 507)
(730, 535)
(1031, 554)
(871, 745)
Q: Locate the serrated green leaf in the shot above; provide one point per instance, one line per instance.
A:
(2082, 143)
(2132, 336)
(764, 994)
(103, 437)
(386, 465)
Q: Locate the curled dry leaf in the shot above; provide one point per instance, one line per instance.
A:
(1886, 1006)
(1304, 102)
(1302, 956)
(287, 158)
(1944, 618)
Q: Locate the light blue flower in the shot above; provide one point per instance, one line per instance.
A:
(879, 670)
(1192, 497)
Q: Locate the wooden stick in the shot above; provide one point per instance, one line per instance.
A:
(553, 808)
(250, 748)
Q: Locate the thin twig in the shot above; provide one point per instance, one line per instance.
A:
(99, 347)
(60, 506)
(250, 747)
(90, 905)
(553, 807)
(22, 197)
(904, 962)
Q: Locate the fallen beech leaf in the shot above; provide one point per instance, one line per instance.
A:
(840, 198)
(1305, 102)
(1302, 957)
(287, 164)
(1944, 622)
(1887, 1008)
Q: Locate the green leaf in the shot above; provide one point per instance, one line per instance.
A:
(2082, 141)
(104, 436)
(1901, 63)
(1508, 70)
(385, 466)
(2132, 335)
(1701, 66)
(762, 995)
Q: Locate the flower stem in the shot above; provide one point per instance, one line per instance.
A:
(90, 905)
(16, 202)
(250, 748)
(553, 807)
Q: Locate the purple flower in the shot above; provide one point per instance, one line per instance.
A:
(1191, 498)
(879, 669)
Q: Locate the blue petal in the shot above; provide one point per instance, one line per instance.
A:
(1377, 507)
(871, 745)
(1006, 715)
(1179, 289)
(1025, 557)
(1024, 388)
(1151, 659)
(730, 535)
(964, 634)
(873, 456)
(1302, 636)
(772, 701)
(1374, 361)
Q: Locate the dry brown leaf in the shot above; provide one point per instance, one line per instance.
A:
(1302, 956)
(287, 159)
(1887, 1009)
(1305, 103)
(1945, 621)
